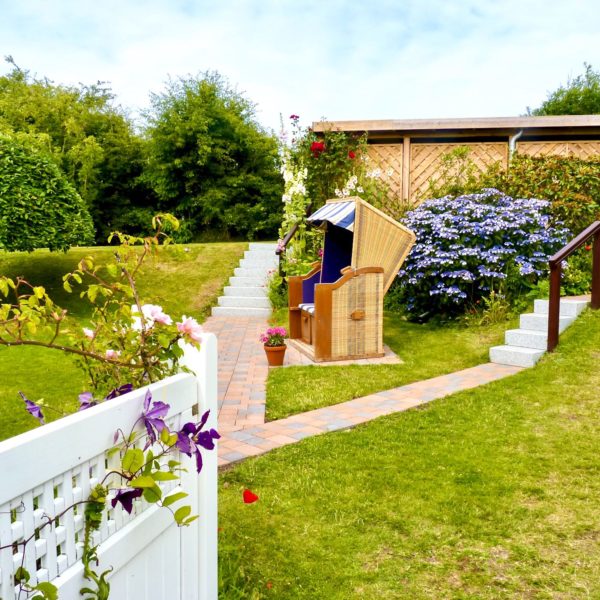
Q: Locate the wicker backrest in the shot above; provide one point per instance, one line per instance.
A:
(379, 241)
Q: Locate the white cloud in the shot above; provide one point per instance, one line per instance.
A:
(382, 59)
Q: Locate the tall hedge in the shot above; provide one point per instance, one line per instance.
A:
(571, 184)
(39, 208)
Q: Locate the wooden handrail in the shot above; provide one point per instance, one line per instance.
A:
(555, 263)
(288, 236)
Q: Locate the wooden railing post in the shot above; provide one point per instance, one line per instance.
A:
(554, 305)
(595, 303)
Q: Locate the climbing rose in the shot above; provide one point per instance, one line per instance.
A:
(316, 148)
(112, 354)
(154, 313)
(190, 328)
(351, 155)
(89, 333)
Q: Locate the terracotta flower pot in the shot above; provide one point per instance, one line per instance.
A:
(275, 355)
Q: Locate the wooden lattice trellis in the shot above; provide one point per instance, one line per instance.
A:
(581, 149)
(425, 161)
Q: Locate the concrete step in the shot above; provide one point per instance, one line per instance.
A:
(263, 246)
(540, 322)
(236, 290)
(232, 311)
(251, 272)
(245, 301)
(515, 356)
(247, 281)
(568, 308)
(258, 263)
(270, 254)
(526, 338)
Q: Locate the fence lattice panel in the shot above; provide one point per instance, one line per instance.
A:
(388, 158)
(581, 149)
(425, 161)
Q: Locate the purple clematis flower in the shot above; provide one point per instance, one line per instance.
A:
(86, 400)
(126, 498)
(33, 409)
(153, 417)
(191, 438)
(120, 391)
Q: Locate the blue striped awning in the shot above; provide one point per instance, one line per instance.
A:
(336, 213)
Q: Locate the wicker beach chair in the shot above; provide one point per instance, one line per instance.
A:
(336, 310)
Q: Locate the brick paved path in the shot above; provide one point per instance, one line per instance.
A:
(242, 378)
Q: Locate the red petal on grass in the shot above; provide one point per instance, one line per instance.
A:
(249, 497)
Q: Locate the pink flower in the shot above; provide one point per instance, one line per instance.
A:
(154, 313)
(89, 333)
(320, 252)
(112, 354)
(190, 328)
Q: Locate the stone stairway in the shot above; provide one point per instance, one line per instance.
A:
(526, 345)
(246, 294)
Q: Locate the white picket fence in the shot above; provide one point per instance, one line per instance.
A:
(45, 470)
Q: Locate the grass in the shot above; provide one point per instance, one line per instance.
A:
(489, 493)
(183, 282)
(427, 351)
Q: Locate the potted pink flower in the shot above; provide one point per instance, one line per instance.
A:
(274, 343)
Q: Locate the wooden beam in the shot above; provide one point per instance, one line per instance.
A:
(406, 169)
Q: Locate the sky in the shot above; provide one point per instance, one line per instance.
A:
(352, 60)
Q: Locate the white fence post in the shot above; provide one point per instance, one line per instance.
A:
(204, 365)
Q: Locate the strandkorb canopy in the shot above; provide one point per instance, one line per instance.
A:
(378, 239)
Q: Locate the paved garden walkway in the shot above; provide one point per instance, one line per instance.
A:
(242, 379)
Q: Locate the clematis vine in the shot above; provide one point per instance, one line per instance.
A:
(191, 438)
(33, 409)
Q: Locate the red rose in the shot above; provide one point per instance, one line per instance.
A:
(588, 247)
(351, 155)
(316, 148)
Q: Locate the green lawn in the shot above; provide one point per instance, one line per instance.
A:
(489, 493)
(184, 282)
(427, 351)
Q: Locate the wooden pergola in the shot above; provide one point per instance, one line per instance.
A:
(408, 152)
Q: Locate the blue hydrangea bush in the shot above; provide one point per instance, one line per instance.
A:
(470, 245)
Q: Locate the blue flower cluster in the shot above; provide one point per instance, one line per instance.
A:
(467, 245)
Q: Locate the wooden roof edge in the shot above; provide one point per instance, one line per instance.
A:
(415, 125)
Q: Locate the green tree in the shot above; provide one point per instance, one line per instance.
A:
(39, 208)
(91, 139)
(210, 163)
(581, 96)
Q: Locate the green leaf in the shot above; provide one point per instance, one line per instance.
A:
(165, 435)
(164, 476)
(133, 460)
(67, 287)
(49, 591)
(143, 481)
(174, 498)
(182, 513)
(22, 574)
(153, 494)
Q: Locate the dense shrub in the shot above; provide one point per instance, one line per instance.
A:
(571, 184)
(39, 208)
(472, 245)
(210, 162)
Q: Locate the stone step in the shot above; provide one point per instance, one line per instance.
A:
(236, 290)
(233, 311)
(263, 246)
(261, 254)
(251, 272)
(539, 322)
(515, 356)
(526, 338)
(254, 263)
(245, 301)
(240, 282)
(568, 308)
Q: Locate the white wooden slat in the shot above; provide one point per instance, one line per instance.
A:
(6, 560)
(90, 431)
(48, 533)
(68, 519)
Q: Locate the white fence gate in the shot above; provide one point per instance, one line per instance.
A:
(45, 470)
